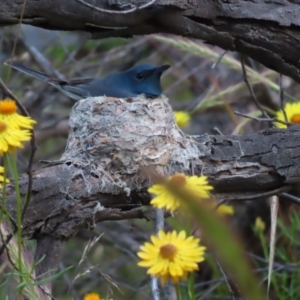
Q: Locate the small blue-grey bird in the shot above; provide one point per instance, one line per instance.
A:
(142, 79)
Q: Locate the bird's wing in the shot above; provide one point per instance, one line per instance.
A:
(94, 88)
(87, 90)
(70, 82)
(26, 70)
(76, 89)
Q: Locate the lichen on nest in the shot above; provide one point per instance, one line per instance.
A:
(119, 137)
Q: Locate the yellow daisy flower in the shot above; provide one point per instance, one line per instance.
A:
(92, 296)
(292, 110)
(2, 177)
(165, 197)
(9, 115)
(182, 118)
(171, 255)
(10, 139)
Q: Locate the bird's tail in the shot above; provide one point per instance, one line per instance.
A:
(26, 70)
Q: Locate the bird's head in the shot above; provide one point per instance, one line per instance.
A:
(145, 79)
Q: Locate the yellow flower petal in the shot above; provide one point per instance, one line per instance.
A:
(182, 118)
(259, 225)
(225, 210)
(9, 115)
(92, 296)
(172, 256)
(292, 110)
(166, 198)
(10, 139)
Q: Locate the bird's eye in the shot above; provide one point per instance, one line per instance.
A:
(140, 76)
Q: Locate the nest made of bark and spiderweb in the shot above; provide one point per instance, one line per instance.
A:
(119, 137)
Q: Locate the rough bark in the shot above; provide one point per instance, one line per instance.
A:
(267, 31)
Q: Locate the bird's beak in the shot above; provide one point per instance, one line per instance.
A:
(163, 68)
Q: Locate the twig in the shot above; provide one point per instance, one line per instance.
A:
(10, 235)
(116, 11)
(159, 219)
(270, 120)
(274, 203)
(253, 197)
(225, 278)
(290, 267)
(159, 225)
(282, 98)
(17, 34)
(215, 64)
(29, 172)
(269, 99)
(45, 64)
(207, 293)
(250, 88)
(5, 243)
(218, 131)
(155, 288)
(290, 197)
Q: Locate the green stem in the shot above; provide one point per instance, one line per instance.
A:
(15, 174)
(177, 289)
(3, 206)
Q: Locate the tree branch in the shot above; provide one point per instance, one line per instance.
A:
(113, 142)
(267, 31)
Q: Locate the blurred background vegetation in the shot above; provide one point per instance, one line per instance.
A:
(210, 95)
